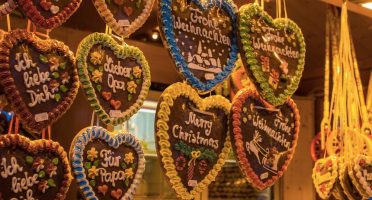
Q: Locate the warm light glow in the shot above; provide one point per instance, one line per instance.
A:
(367, 5)
(155, 35)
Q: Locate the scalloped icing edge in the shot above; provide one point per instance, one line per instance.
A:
(357, 178)
(21, 109)
(114, 140)
(245, 12)
(333, 176)
(8, 7)
(108, 17)
(167, 34)
(22, 142)
(125, 51)
(237, 105)
(169, 95)
(343, 171)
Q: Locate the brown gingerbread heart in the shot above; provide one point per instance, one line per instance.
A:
(49, 14)
(39, 78)
(42, 164)
(264, 137)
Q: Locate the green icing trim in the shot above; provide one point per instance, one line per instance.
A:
(248, 11)
(121, 51)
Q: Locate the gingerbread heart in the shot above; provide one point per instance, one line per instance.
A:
(345, 181)
(107, 69)
(201, 38)
(324, 176)
(264, 137)
(48, 14)
(8, 7)
(39, 78)
(122, 16)
(360, 173)
(42, 164)
(107, 165)
(273, 51)
(191, 138)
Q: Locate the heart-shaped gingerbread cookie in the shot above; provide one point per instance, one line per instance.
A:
(273, 51)
(107, 165)
(42, 164)
(122, 16)
(191, 138)
(115, 78)
(264, 138)
(48, 14)
(7, 7)
(39, 78)
(201, 38)
(360, 173)
(325, 173)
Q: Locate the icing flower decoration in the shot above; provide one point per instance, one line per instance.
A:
(54, 63)
(65, 77)
(38, 164)
(128, 173)
(96, 57)
(128, 158)
(93, 172)
(92, 154)
(132, 87)
(43, 185)
(137, 72)
(97, 76)
(51, 170)
(53, 85)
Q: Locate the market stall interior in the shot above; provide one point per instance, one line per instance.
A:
(147, 55)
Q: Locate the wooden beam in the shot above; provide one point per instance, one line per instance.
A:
(356, 8)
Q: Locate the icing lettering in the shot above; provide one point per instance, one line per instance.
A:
(199, 123)
(111, 177)
(19, 184)
(110, 67)
(24, 62)
(115, 84)
(276, 135)
(10, 170)
(35, 79)
(198, 26)
(193, 138)
(37, 98)
(109, 160)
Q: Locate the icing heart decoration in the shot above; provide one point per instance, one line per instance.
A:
(273, 51)
(115, 78)
(324, 176)
(49, 14)
(39, 78)
(201, 38)
(122, 16)
(360, 173)
(191, 138)
(7, 7)
(264, 138)
(42, 164)
(107, 165)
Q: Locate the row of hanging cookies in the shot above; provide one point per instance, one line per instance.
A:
(342, 151)
(196, 130)
(40, 78)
